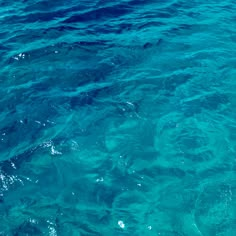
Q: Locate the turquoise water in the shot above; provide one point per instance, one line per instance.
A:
(118, 118)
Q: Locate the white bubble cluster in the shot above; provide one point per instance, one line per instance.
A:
(121, 224)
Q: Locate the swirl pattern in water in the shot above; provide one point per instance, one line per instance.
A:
(118, 118)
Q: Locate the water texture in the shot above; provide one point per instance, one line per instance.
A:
(118, 118)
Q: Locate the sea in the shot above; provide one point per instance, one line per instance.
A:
(117, 118)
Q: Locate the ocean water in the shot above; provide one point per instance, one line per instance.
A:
(118, 118)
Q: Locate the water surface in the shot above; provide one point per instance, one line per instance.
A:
(118, 118)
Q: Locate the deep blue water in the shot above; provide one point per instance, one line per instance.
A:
(118, 118)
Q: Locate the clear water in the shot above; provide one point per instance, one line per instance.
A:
(118, 118)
